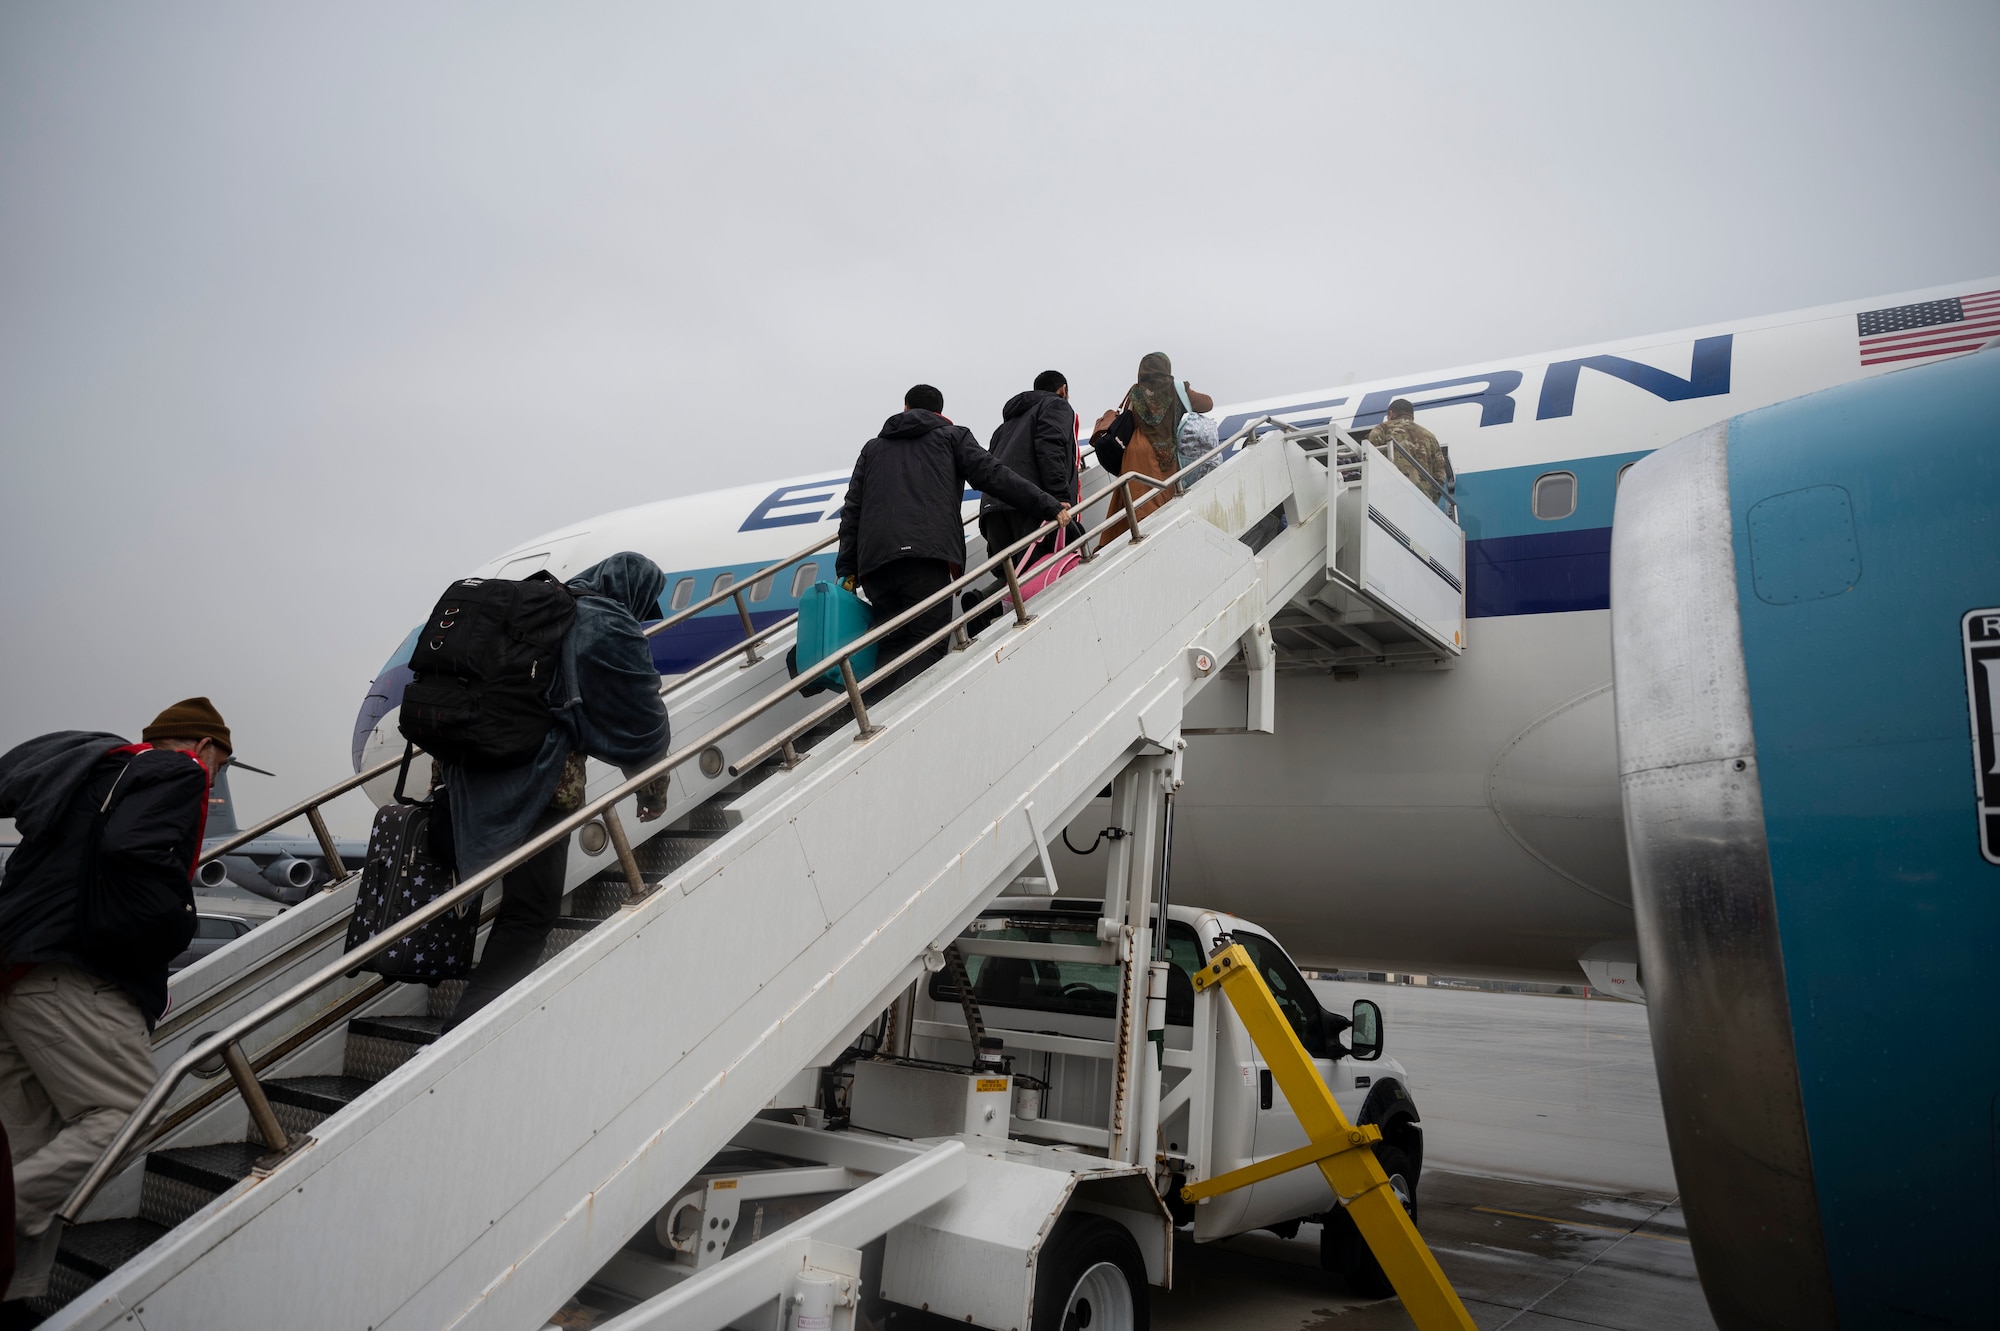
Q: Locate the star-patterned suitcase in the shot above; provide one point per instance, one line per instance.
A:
(400, 878)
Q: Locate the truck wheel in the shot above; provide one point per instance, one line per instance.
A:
(1343, 1251)
(1090, 1278)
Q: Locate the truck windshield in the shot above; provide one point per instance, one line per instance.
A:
(1295, 999)
(1081, 988)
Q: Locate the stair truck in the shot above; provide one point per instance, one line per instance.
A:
(1010, 1051)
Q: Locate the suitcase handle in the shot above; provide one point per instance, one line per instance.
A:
(403, 774)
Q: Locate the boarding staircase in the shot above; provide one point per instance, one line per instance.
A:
(817, 856)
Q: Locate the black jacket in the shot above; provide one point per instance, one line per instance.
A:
(1036, 441)
(903, 498)
(151, 837)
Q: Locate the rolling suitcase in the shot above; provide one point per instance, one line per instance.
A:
(830, 617)
(405, 872)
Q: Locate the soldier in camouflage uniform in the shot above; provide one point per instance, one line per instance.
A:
(1417, 443)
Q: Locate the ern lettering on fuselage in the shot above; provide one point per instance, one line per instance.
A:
(794, 505)
(1709, 364)
(804, 503)
(1981, 635)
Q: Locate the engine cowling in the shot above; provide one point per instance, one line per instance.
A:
(1799, 598)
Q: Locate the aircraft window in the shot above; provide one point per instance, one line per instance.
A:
(723, 582)
(1555, 495)
(806, 576)
(683, 593)
(1295, 999)
(760, 590)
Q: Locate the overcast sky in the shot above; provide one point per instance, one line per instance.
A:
(304, 314)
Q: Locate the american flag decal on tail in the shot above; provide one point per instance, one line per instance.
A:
(1932, 328)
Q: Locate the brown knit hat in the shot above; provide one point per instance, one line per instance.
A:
(190, 718)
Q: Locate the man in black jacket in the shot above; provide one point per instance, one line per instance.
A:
(94, 903)
(901, 533)
(1036, 440)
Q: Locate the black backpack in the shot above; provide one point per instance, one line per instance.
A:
(131, 915)
(483, 665)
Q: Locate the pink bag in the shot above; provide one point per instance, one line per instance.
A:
(1046, 571)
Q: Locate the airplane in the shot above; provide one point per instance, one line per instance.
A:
(1459, 821)
(283, 869)
(1813, 898)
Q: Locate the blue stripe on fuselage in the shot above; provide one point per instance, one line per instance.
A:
(1518, 564)
(1545, 574)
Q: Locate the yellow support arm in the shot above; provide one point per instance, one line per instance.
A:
(1309, 1154)
(1335, 1145)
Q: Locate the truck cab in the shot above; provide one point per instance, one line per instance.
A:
(1219, 1108)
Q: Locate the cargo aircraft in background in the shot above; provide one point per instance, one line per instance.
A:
(284, 869)
(1459, 818)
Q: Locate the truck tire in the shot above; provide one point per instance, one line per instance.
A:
(1344, 1252)
(1090, 1278)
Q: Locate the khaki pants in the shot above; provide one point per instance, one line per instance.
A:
(75, 1060)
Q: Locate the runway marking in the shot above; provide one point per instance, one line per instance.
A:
(1579, 1224)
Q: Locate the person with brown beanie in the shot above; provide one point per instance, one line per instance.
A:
(94, 903)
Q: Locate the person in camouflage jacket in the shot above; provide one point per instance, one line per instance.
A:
(1420, 450)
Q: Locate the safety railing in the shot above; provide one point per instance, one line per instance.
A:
(311, 807)
(225, 1046)
(1345, 450)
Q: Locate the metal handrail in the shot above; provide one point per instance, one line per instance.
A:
(1447, 487)
(309, 807)
(225, 1045)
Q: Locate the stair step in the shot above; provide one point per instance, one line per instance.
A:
(567, 931)
(669, 851)
(599, 899)
(181, 1180)
(377, 1046)
(702, 818)
(89, 1253)
(302, 1102)
(444, 998)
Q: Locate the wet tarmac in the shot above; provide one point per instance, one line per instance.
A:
(1547, 1191)
(1527, 1085)
(1525, 1256)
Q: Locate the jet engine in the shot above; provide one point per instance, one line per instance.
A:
(289, 872)
(1805, 607)
(212, 874)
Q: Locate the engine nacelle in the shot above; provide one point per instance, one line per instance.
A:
(1804, 604)
(291, 872)
(212, 874)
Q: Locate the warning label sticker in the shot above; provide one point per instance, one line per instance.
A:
(990, 1084)
(1981, 632)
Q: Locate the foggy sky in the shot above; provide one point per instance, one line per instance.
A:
(303, 314)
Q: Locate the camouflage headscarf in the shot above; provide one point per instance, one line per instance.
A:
(1156, 404)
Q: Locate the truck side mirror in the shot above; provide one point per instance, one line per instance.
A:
(1364, 1037)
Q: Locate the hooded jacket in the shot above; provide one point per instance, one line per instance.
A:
(904, 496)
(53, 787)
(1036, 440)
(606, 699)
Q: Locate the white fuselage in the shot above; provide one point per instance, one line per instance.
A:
(1460, 820)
